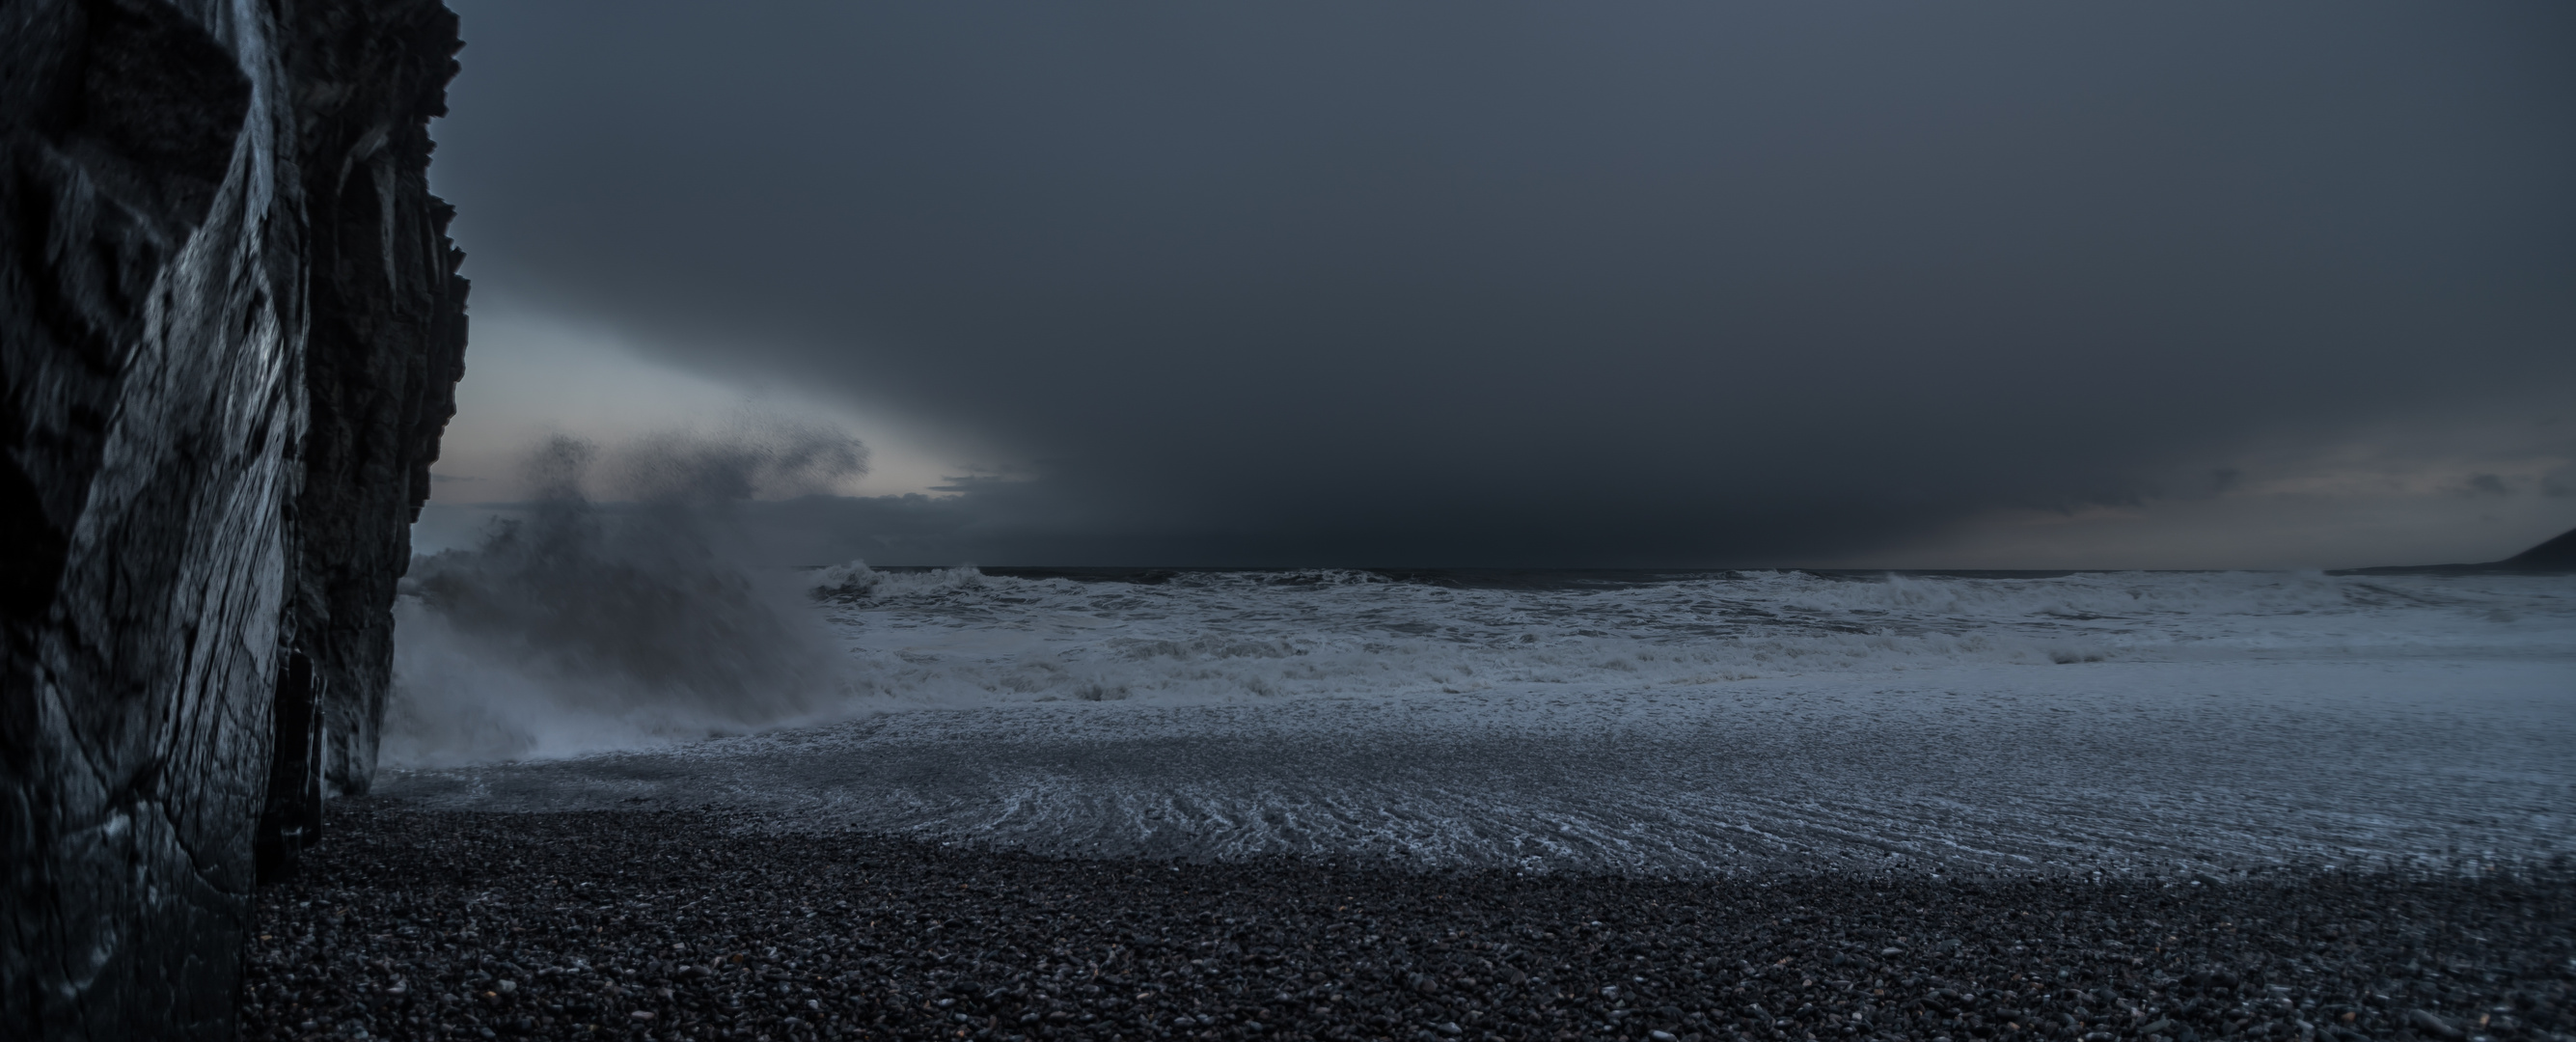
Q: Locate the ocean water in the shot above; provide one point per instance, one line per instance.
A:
(1683, 723)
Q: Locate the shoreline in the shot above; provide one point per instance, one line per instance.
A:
(408, 923)
(2117, 767)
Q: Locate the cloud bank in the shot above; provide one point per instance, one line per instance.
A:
(1530, 283)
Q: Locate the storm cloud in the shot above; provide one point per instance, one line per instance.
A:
(1510, 283)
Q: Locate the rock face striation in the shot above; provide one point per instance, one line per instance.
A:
(385, 344)
(230, 330)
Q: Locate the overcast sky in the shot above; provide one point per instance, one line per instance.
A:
(1960, 284)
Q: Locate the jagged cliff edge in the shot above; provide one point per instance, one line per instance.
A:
(230, 330)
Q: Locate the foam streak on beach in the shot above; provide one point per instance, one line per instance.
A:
(1695, 725)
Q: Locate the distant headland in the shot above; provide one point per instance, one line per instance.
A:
(2555, 556)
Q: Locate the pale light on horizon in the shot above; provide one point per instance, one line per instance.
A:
(533, 375)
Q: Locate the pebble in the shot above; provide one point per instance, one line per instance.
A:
(628, 925)
(2432, 1023)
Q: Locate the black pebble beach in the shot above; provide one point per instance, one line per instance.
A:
(692, 925)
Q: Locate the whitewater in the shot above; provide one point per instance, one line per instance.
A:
(1660, 724)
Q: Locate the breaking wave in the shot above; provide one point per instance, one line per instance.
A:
(581, 627)
(586, 628)
(956, 636)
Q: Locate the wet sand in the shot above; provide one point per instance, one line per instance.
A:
(2116, 768)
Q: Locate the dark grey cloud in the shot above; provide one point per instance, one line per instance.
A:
(1550, 283)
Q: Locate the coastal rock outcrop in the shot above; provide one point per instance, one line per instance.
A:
(384, 347)
(230, 328)
(2554, 556)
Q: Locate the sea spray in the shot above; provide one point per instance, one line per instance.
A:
(585, 625)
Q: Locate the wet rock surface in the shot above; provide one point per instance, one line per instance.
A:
(385, 340)
(418, 924)
(148, 418)
(229, 334)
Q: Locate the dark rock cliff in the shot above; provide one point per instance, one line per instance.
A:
(229, 334)
(385, 346)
